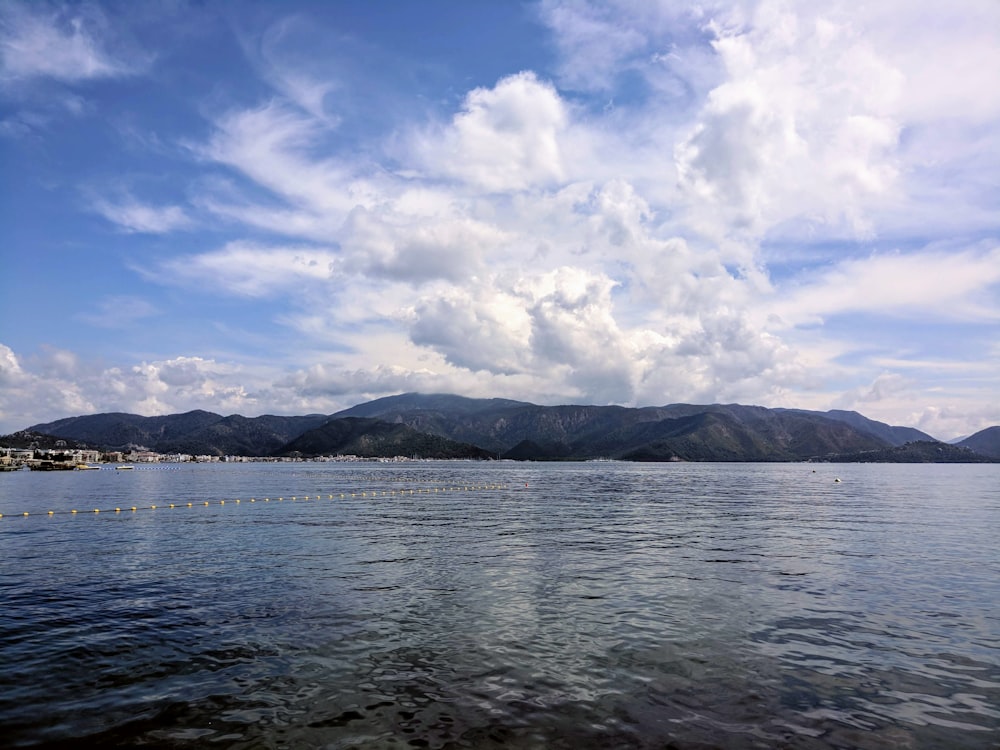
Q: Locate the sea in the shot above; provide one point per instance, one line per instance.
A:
(495, 604)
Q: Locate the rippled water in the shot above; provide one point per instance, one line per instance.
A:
(502, 605)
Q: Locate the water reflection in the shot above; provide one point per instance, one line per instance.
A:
(684, 606)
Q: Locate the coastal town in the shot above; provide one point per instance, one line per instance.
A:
(64, 458)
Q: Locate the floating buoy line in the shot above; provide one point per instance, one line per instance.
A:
(238, 501)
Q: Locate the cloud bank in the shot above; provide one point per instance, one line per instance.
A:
(754, 202)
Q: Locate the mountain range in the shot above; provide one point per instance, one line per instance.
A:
(448, 426)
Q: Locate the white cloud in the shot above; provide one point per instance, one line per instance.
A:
(804, 125)
(505, 139)
(594, 232)
(248, 270)
(952, 409)
(526, 243)
(283, 65)
(279, 149)
(63, 44)
(933, 283)
(959, 79)
(405, 247)
(10, 367)
(119, 311)
(593, 41)
(28, 396)
(494, 319)
(562, 326)
(58, 383)
(133, 216)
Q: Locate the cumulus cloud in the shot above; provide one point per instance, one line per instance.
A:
(47, 390)
(504, 138)
(804, 125)
(605, 231)
(402, 247)
(57, 383)
(951, 410)
(513, 252)
(10, 367)
(563, 326)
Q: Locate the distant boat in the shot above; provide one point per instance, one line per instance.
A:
(124, 467)
(87, 467)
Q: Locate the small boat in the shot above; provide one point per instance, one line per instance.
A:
(124, 467)
(87, 467)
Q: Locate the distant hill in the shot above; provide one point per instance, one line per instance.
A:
(32, 439)
(985, 441)
(373, 438)
(718, 432)
(443, 403)
(449, 425)
(728, 436)
(915, 453)
(117, 430)
(194, 432)
(881, 430)
(236, 435)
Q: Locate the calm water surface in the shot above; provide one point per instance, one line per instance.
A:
(502, 605)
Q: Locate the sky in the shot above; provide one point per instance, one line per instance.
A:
(290, 208)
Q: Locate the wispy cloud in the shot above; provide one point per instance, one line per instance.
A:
(119, 311)
(248, 270)
(938, 284)
(64, 43)
(281, 150)
(132, 216)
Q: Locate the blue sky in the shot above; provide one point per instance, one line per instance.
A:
(294, 207)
